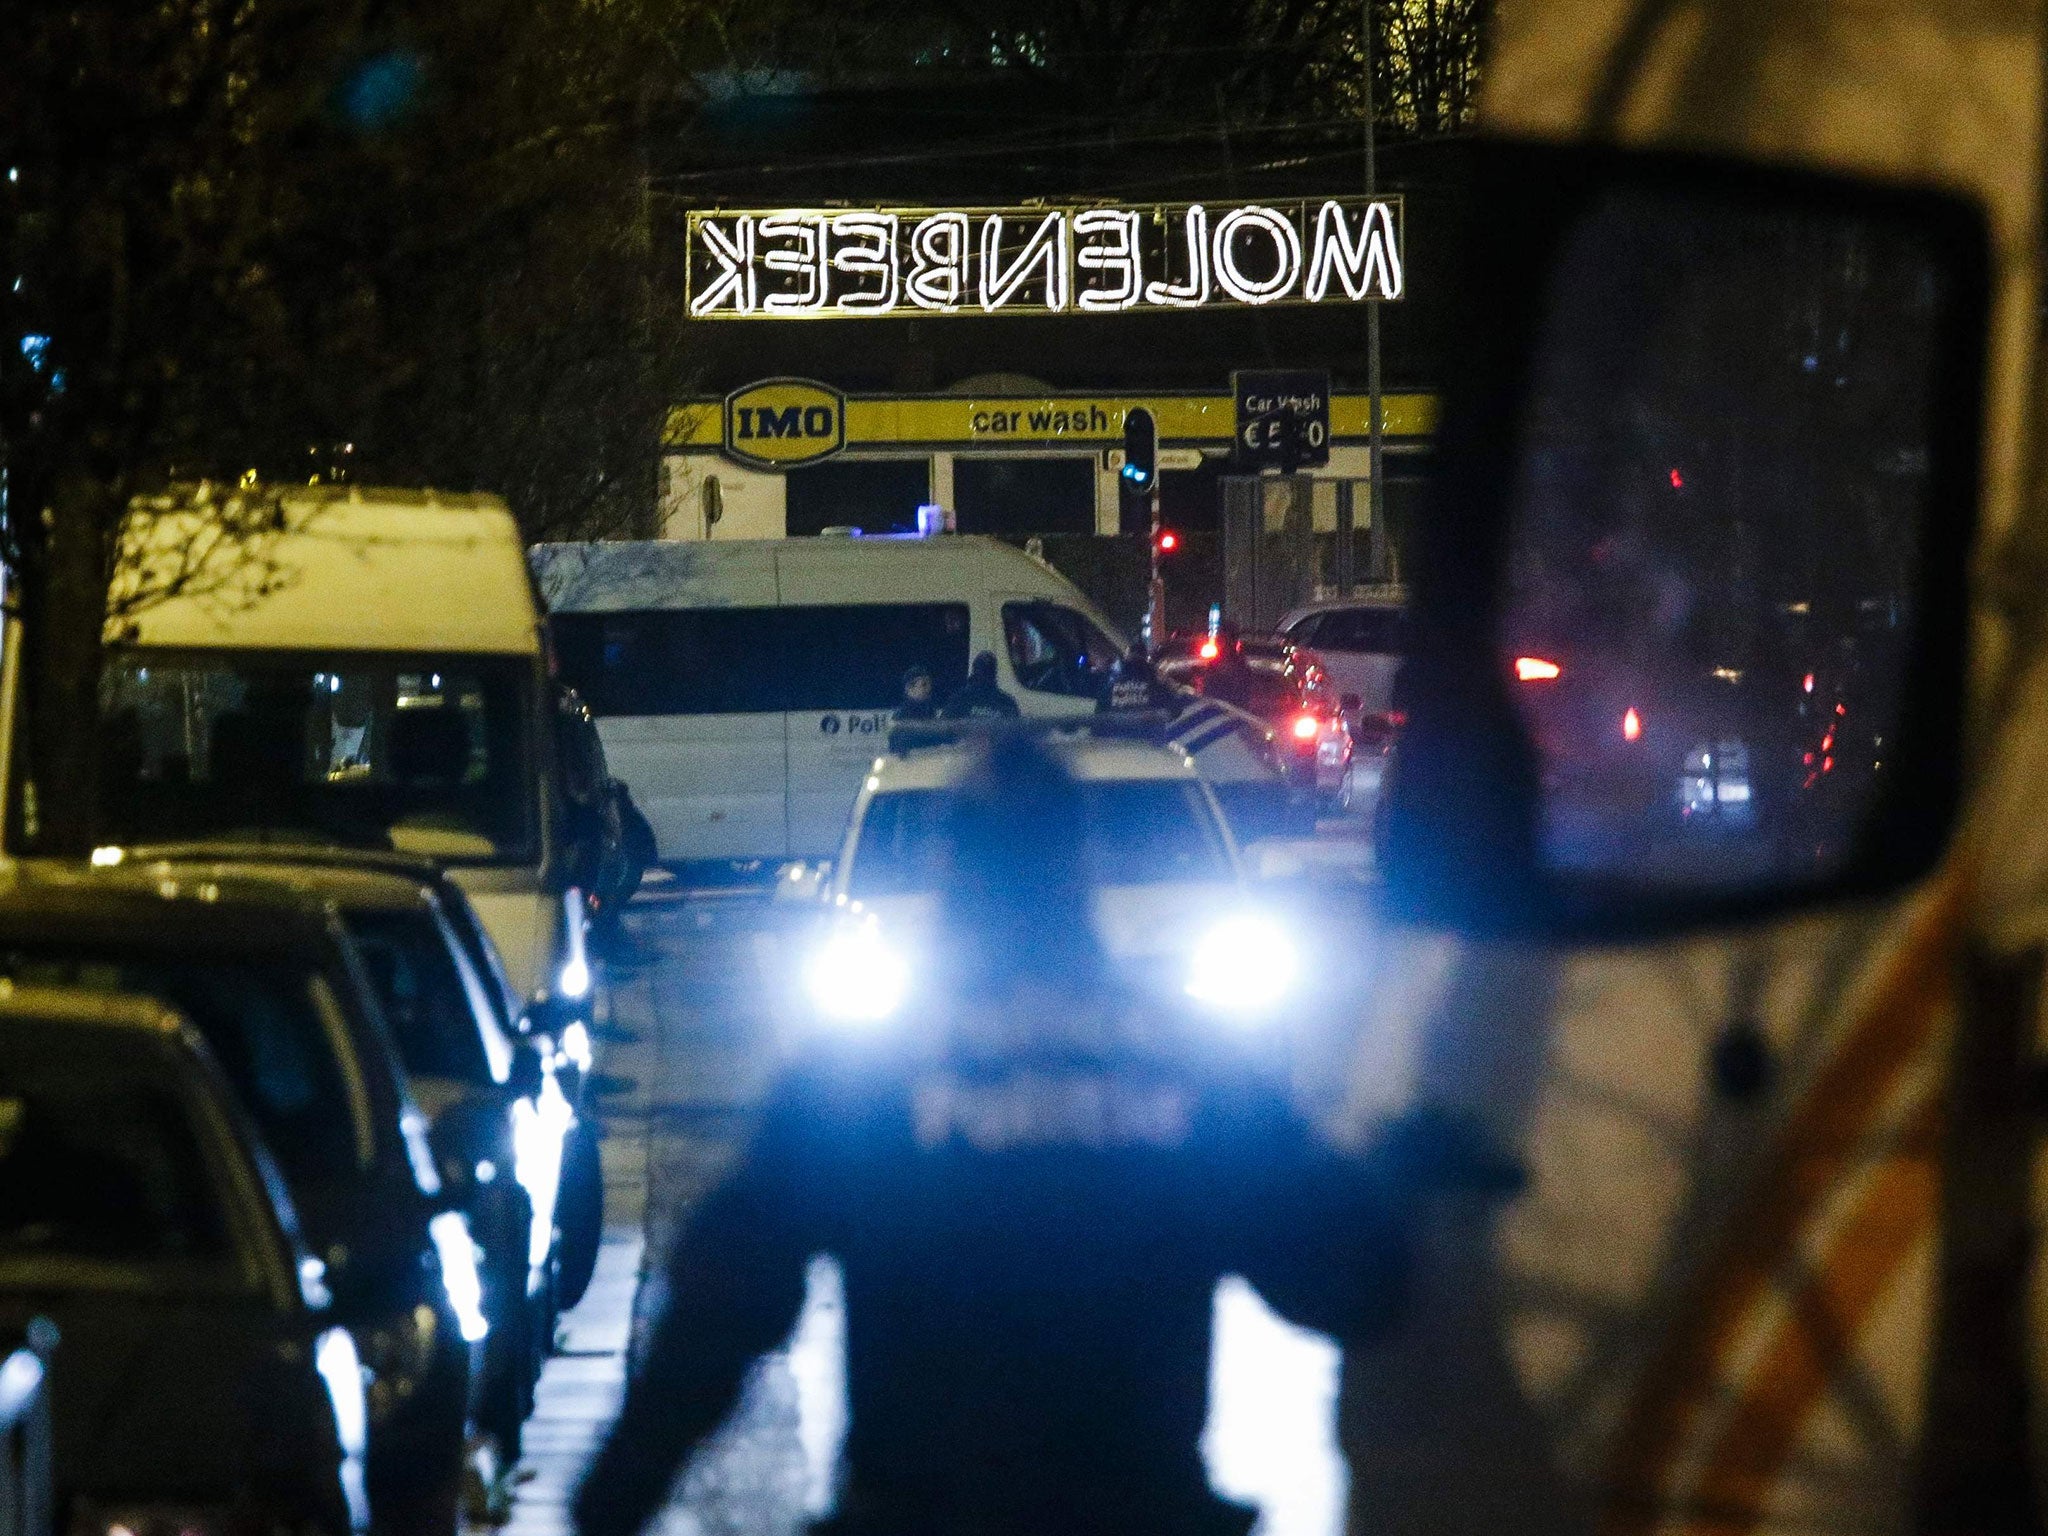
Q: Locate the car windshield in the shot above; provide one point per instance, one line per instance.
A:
(100, 1164)
(268, 1024)
(1140, 832)
(422, 754)
(425, 1003)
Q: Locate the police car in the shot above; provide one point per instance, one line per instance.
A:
(1171, 900)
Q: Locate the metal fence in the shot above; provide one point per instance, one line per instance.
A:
(26, 1497)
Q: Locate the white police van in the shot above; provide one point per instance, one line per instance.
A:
(743, 687)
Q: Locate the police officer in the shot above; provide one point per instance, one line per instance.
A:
(1032, 1187)
(980, 698)
(916, 703)
(1134, 683)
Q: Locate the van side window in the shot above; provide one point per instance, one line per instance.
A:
(854, 656)
(733, 661)
(1054, 649)
(703, 661)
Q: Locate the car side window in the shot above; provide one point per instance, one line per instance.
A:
(1054, 649)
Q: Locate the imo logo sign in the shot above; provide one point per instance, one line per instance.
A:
(780, 422)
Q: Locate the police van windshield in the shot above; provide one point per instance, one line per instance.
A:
(419, 754)
(1140, 832)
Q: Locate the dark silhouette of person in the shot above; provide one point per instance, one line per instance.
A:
(1032, 1185)
(979, 698)
(917, 702)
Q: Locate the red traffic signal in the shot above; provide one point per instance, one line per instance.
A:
(1166, 541)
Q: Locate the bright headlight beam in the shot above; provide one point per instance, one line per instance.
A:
(855, 976)
(1244, 965)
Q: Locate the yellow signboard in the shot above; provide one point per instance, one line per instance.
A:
(756, 427)
(780, 422)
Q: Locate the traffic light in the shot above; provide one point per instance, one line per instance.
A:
(1141, 452)
(1166, 541)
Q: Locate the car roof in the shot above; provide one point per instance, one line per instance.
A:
(78, 1007)
(1383, 603)
(1089, 759)
(353, 887)
(164, 904)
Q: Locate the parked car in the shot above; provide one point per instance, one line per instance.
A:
(500, 1124)
(204, 1385)
(563, 1043)
(275, 985)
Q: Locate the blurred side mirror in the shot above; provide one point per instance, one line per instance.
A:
(1693, 648)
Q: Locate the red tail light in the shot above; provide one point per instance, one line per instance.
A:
(1631, 725)
(1209, 650)
(1307, 727)
(1534, 669)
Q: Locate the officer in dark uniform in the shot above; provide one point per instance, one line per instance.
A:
(917, 702)
(1032, 1187)
(980, 697)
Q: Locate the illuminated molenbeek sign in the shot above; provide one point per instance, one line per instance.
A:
(825, 263)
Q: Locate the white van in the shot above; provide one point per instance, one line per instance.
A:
(742, 688)
(369, 676)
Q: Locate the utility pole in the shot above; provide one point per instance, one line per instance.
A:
(1375, 418)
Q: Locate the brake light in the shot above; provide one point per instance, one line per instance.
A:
(1631, 724)
(1307, 727)
(1534, 669)
(1209, 650)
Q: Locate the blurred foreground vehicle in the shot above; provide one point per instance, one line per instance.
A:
(372, 681)
(1171, 900)
(205, 1387)
(276, 988)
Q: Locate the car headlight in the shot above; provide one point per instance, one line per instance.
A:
(1244, 966)
(855, 976)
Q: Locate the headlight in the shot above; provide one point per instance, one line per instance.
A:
(855, 976)
(459, 1277)
(1244, 965)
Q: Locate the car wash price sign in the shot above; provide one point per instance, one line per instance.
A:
(824, 263)
(1283, 418)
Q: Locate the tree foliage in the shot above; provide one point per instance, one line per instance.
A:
(301, 237)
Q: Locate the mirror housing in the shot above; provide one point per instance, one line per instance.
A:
(1619, 304)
